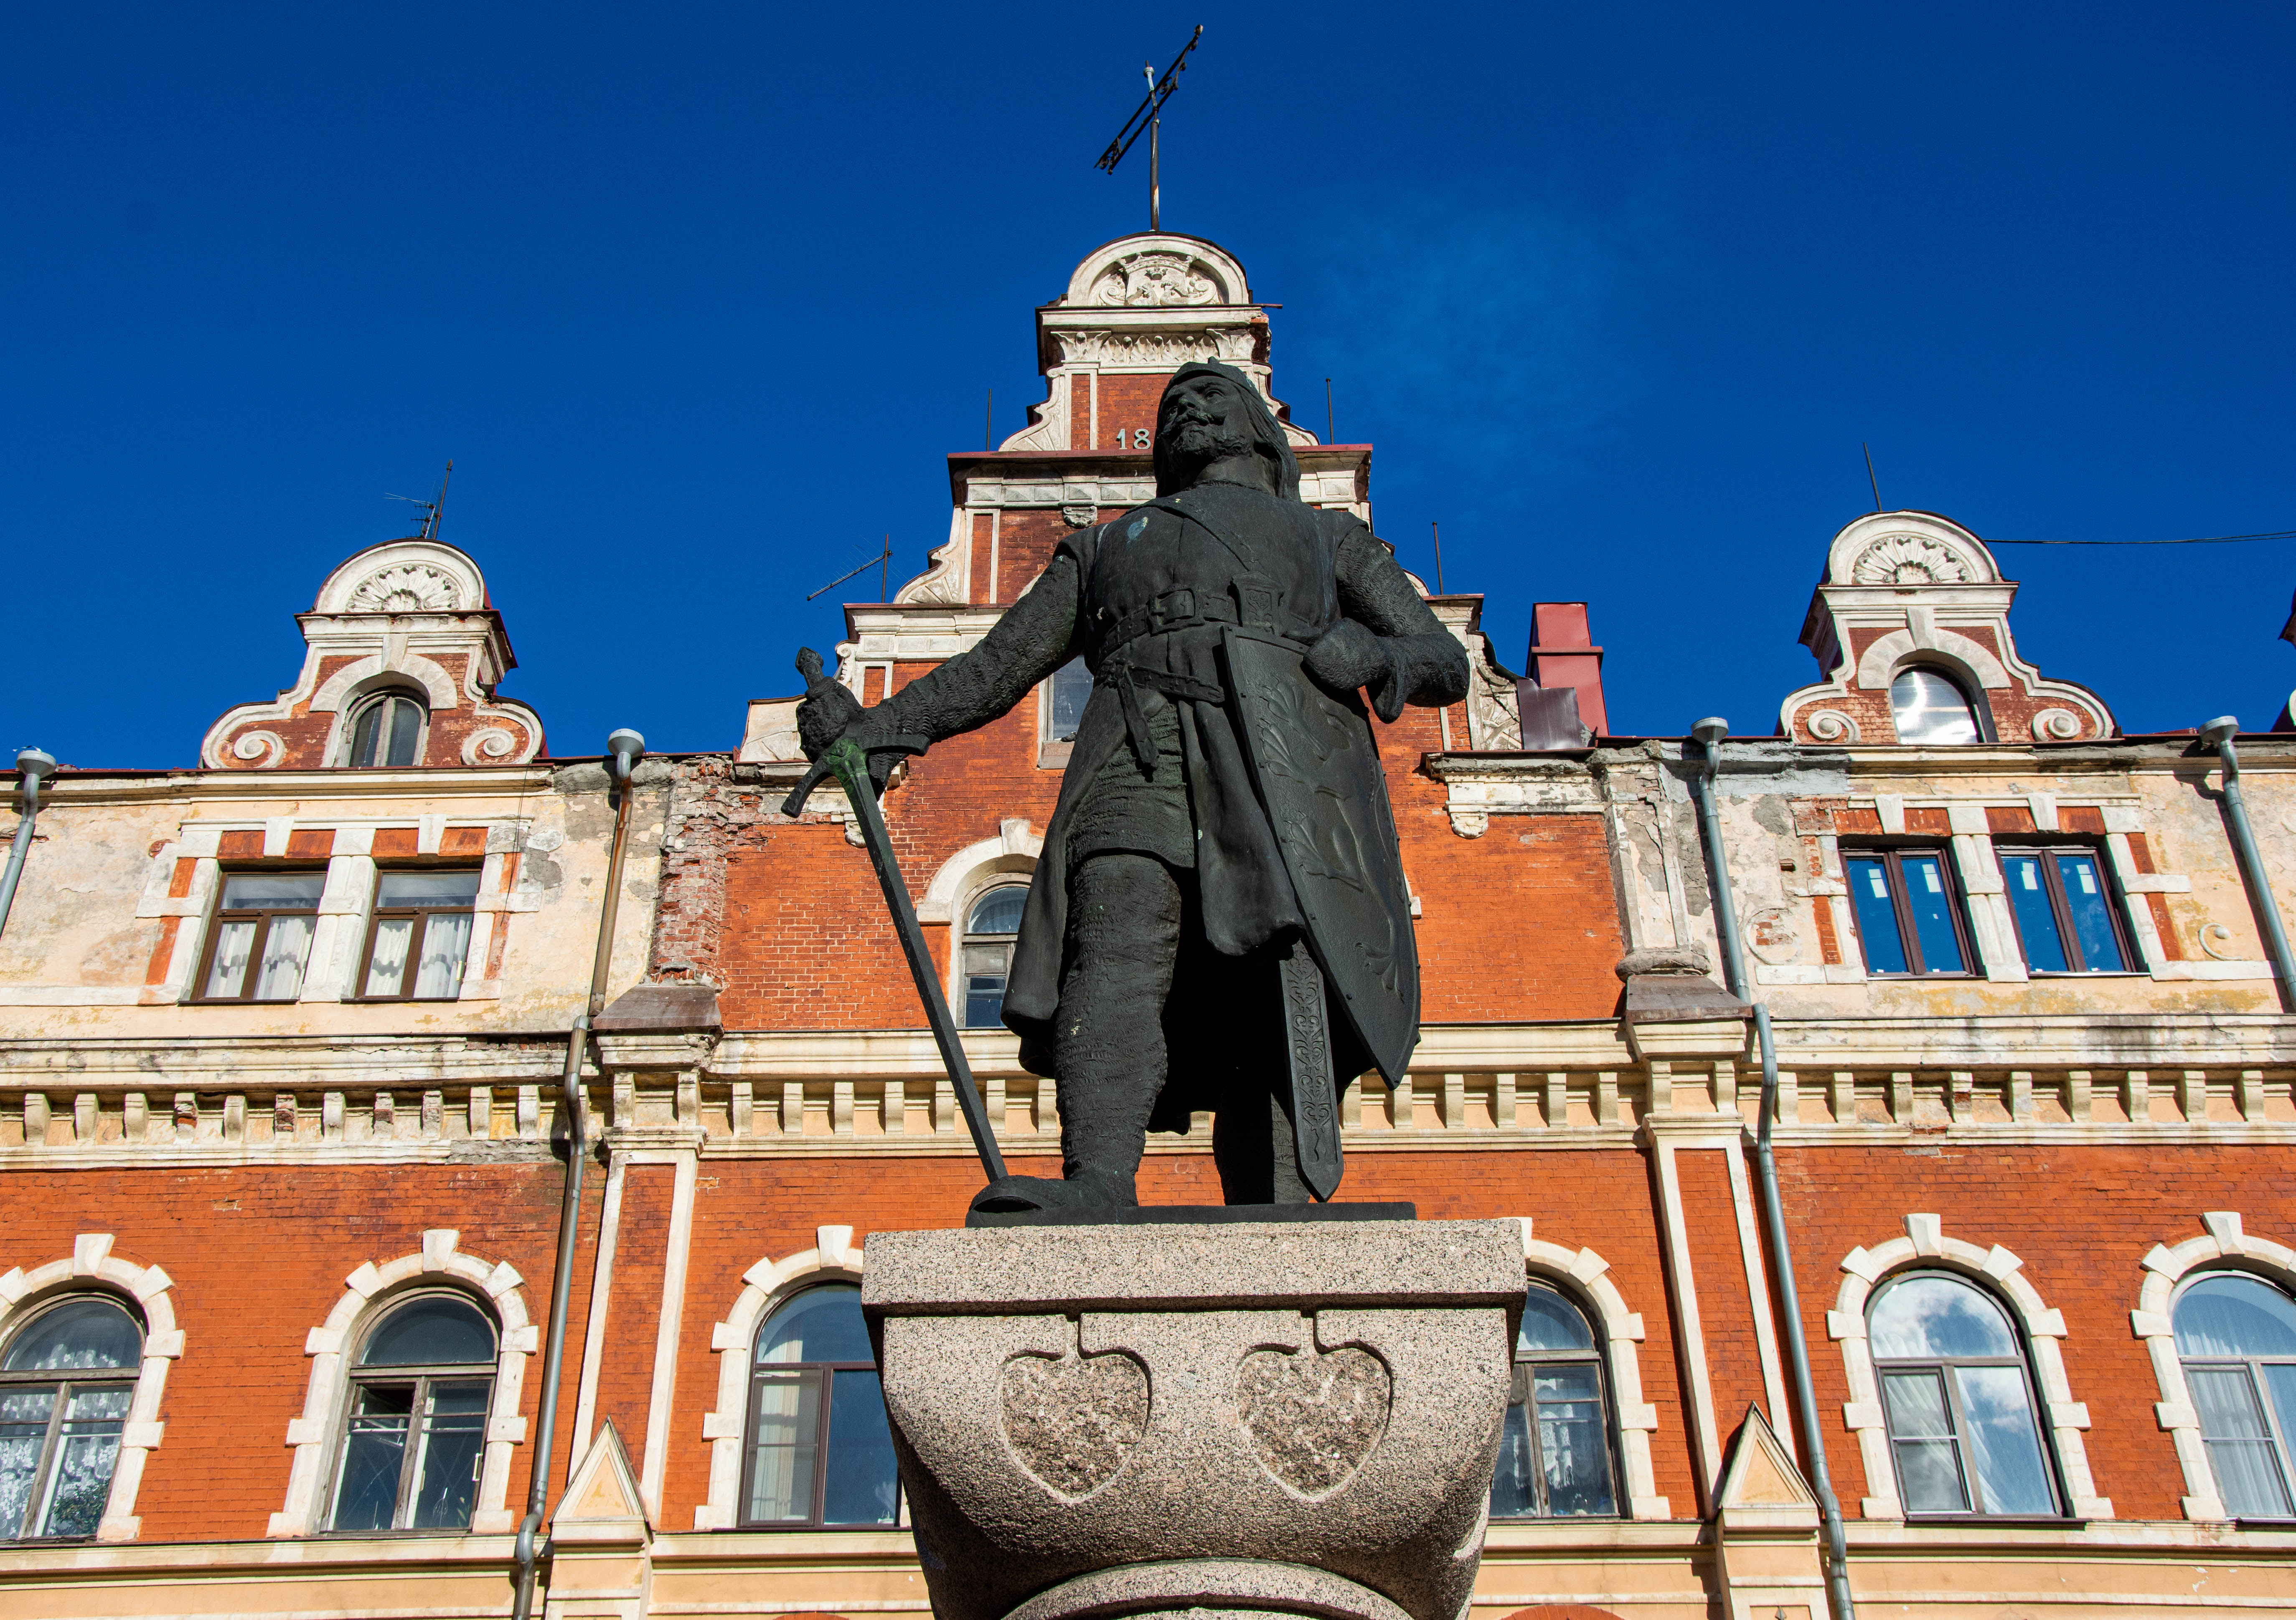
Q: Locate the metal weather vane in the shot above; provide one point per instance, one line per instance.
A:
(1149, 116)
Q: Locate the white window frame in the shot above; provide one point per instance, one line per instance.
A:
(24, 1293)
(764, 1288)
(1926, 1248)
(2223, 1247)
(372, 1290)
(1583, 1277)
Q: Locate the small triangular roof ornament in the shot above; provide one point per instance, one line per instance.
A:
(604, 1489)
(1760, 1473)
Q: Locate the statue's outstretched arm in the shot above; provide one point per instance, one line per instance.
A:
(969, 690)
(1388, 635)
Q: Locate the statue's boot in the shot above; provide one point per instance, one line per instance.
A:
(1090, 1189)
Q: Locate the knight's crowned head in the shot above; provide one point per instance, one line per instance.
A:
(1210, 413)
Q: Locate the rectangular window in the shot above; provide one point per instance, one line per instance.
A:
(1071, 691)
(440, 1427)
(2066, 918)
(420, 934)
(262, 937)
(1909, 917)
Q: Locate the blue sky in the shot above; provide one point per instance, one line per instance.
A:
(698, 296)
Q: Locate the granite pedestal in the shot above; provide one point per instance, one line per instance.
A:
(1293, 1419)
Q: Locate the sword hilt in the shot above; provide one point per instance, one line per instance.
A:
(846, 760)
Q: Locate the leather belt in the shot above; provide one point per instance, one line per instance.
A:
(1176, 610)
(1128, 681)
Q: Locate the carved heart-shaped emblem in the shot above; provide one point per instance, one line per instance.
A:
(1314, 1418)
(1071, 1422)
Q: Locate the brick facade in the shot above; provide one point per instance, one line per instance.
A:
(253, 1158)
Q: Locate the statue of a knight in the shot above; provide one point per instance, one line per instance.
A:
(1219, 920)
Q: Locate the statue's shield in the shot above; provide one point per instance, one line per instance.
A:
(1317, 768)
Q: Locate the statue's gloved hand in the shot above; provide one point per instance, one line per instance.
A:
(1349, 656)
(830, 714)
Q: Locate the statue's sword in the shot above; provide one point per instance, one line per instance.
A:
(851, 766)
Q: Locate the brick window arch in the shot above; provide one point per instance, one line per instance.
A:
(93, 1269)
(2223, 1246)
(2000, 1273)
(369, 1292)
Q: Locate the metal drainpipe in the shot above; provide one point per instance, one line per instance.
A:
(1710, 733)
(2219, 734)
(624, 749)
(36, 767)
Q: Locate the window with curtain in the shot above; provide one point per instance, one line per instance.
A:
(2066, 918)
(261, 938)
(990, 928)
(1555, 1454)
(414, 1428)
(1930, 706)
(387, 731)
(1908, 911)
(1957, 1399)
(2236, 1337)
(820, 1450)
(66, 1383)
(420, 934)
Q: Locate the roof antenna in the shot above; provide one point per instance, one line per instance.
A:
(433, 508)
(1438, 530)
(1870, 478)
(1331, 422)
(1149, 116)
(883, 559)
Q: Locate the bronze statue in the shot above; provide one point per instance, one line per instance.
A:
(1222, 859)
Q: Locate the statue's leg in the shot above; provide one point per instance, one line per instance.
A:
(1108, 1030)
(1254, 1148)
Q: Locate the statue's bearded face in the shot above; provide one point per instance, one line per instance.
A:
(1203, 420)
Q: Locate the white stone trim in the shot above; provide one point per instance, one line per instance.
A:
(2223, 1247)
(686, 1172)
(2001, 1274)
(764, 1286)
(1585, 1276)
(313, 1436)
(1013, 852)
(24, 1293)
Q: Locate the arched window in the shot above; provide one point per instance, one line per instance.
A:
(65, 1384)
(415, 1429)
(387, 731)
(1554, 1456)
(987, 962)
(1928, 706)
(2236, 1337)
(820, 1449)
(1957, 1399)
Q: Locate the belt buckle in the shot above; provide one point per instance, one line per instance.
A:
(1185, 602)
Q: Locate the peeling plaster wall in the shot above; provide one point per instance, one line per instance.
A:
(119, 886)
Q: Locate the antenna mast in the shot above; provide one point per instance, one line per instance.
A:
(433, 508)
(883, 559)
(1149, 116)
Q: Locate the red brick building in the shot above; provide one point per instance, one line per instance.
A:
(278, 1107)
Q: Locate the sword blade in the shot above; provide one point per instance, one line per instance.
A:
(852, 768)
(1314, 1102)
